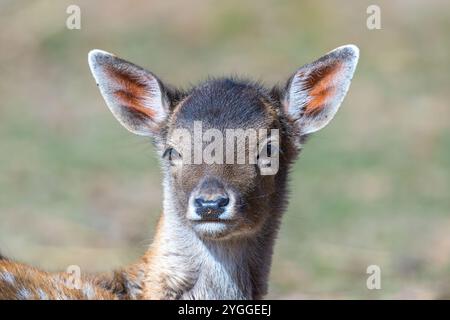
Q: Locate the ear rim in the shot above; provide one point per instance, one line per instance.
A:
(348, 55)
(98, 61)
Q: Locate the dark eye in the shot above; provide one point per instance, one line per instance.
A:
(268, 155)
(172, 155)
(269, 150)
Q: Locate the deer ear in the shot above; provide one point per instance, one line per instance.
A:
(134, 95)
(315, 92)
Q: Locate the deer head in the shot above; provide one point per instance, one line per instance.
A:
(220, 197)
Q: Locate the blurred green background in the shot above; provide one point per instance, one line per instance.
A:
(371, 188)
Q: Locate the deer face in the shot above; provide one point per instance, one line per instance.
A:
(225, 145)
(218, 168)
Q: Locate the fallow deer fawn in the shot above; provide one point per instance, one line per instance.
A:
(215, 237)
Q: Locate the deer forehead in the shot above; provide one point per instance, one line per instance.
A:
(225, 104)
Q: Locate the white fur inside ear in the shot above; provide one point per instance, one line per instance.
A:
(116, 79)
(336, 68)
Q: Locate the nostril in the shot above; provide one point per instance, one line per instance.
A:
(210, 208)
(222, 202)
(218, 203)
(199, 202)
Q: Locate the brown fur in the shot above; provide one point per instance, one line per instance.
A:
(19, 281)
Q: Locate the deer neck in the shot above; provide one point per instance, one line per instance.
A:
(180, 265)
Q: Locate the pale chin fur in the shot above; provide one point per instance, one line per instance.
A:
(211, 230)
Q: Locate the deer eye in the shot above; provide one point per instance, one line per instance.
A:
(269, 149)
(172, 155)
(266, 152)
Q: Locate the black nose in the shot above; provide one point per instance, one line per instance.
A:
(211, 208)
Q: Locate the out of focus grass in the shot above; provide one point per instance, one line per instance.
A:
(372, 188)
